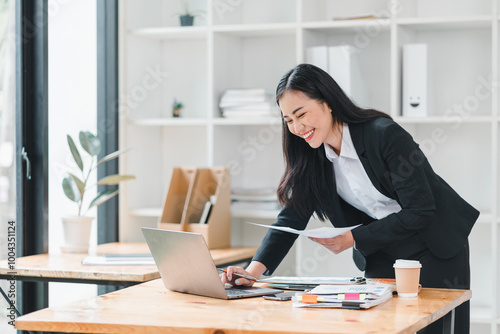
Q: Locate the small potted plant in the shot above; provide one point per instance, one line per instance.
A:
(77, 228)
(176, 108)
(187, 16)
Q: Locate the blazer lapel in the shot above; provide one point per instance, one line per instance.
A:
(358, 139)
(338, 220)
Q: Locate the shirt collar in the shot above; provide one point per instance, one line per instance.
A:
(347, 149)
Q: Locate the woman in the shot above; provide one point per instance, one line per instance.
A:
(357, 166)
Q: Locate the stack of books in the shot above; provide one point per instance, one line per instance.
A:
(254, 199)
(247, 103)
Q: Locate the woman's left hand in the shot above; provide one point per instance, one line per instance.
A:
(338, 244)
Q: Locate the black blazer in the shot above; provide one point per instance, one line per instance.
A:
(398, 169)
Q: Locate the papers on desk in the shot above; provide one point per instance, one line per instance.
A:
(343, 296)
(322, 232)
(313, 280)
(119, 260)
(308, 283)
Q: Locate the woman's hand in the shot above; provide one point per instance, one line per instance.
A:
(255, 269)
(230, 277)
(338, 244)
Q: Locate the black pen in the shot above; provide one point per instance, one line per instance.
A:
(242, 276)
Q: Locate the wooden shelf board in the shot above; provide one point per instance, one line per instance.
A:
(432, 23)
(247, 121)
(169, 121)
(251, 30)
(442, 119)
(346, 25)
(171, 32)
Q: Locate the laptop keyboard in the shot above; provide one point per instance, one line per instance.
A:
(237, 292)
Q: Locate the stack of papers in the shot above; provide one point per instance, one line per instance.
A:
(343, 296)
(254, 199)
(248, 103)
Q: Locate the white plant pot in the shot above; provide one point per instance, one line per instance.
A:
(76, 234)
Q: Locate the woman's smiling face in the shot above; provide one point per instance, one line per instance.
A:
(309, 119)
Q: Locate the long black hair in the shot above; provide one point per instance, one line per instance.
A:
(307, 184)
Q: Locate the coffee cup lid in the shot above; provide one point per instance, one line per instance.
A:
(407, 264)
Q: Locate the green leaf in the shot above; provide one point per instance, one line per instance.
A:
(79, 183)
(90, 143)
(74, 152)
(70, 189)
(114, 179)
(112, 156)
(103, 196)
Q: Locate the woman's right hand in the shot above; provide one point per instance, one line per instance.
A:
(229, 277)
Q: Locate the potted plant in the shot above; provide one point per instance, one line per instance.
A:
(187, 16)
(176, 108)
(77, 228)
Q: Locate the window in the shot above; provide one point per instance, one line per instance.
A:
(7, 140)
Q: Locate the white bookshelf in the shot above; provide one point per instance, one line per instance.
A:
(252, 44)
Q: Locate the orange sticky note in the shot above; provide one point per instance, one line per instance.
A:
(310, 299)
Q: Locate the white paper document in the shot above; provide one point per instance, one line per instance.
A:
(313, 280)
(322, 232)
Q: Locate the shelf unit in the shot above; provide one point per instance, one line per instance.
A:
(248, 44)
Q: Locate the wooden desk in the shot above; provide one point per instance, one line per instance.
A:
(150, 308)
(68, 268)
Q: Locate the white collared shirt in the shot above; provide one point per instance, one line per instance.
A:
(354, 185)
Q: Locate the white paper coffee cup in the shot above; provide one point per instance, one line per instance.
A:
(407, 277)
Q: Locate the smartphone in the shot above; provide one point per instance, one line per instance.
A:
(280, 296)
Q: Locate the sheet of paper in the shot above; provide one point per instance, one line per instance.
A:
(322, 232)
(312, 280)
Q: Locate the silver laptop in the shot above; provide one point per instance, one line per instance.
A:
(185, 265)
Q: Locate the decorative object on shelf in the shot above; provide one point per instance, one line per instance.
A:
(77, 228)
(415, 89)
(176, 108)
(187, 16)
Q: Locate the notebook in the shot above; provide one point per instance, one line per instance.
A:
(185, 265)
